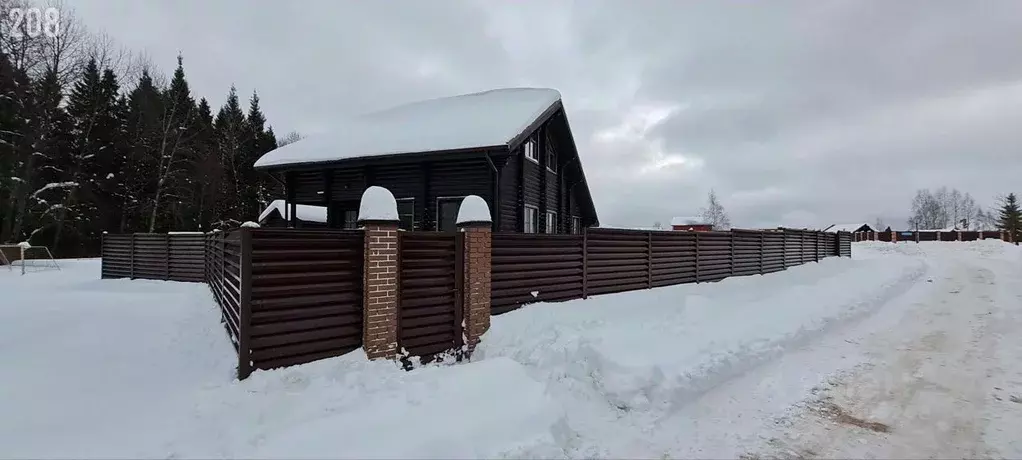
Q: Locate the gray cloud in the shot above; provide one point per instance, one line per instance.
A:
(797, 113)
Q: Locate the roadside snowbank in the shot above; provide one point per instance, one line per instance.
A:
(653, 350)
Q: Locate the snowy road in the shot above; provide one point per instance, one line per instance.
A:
(906, 351)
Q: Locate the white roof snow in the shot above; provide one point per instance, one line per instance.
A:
(304, 212)
(485, 119)
(377, 204)
(687, 221)
(473, 209)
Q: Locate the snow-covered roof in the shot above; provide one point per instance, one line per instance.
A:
(377, 204)
(687, 221)
(473, 209)
(845, 227)
(304, 212)
(486, 119)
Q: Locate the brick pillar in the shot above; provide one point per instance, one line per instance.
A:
(959, 236)
(476, 298)
(379, 295)
(894, 236)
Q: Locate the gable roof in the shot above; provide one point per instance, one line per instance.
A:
(487, 119)
(303, 212)
(847, 227)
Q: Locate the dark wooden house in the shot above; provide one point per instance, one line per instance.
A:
(512, 147)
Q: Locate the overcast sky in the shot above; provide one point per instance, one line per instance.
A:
(798, 113)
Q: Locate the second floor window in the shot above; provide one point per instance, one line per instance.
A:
(530, 151)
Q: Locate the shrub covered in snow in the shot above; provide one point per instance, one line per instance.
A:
(24, 245)
(250, 224)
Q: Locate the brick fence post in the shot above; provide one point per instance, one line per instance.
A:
(474, 220)
(894, 236)
(379, 221)
(477, 265)
(379, 331)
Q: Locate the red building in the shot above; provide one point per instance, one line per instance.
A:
(690, 224)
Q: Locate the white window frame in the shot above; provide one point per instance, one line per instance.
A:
(529, 150)
(551, 222)
(576, 225)
(551, 159)
(534, 220)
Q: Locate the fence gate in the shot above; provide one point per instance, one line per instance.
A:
(429, 292)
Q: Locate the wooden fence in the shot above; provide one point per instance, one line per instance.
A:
(918, 236)
(287, 296)
(542, 268)
(155, 256)
(290, 296)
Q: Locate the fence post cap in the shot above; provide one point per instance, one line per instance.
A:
(473, 211)
(378, 206)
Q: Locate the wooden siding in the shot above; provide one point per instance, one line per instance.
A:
(421, 180)
(509, 194)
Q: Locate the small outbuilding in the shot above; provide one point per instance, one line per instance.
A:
(690, 224)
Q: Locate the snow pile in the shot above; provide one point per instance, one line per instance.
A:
(377, 204)
(95, 376)
(24, 245)
(473, 209)
(486, 119)
(303, 212)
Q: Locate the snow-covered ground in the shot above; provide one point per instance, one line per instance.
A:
(908, 350)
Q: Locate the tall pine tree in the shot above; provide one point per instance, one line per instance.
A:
(1010, 218)
(230, 136)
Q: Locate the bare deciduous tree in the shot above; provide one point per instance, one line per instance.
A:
(714, 213)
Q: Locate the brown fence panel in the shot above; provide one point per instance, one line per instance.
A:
(826, 245)
(970, 236)
(844, 244)
(429, 294)
(713, 256)
(949, 236)
(156, 256)
(527, 263)
(224, 277)
(992, 235)
(306, 295)
(186, 257)
(884, 236)
(748, 252)
(928, 236)
(773, 251)
(674, 258)
(792, 248)
(117, 256)
(617, 260)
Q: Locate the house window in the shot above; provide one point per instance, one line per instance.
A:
(531, 219)
(350, 220)
(406, 213)
(530, 151)
(551, 161)
(576, 225)
(447, 213)
(551, 222)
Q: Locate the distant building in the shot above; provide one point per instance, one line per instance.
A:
(851, 228)
(690, 224)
